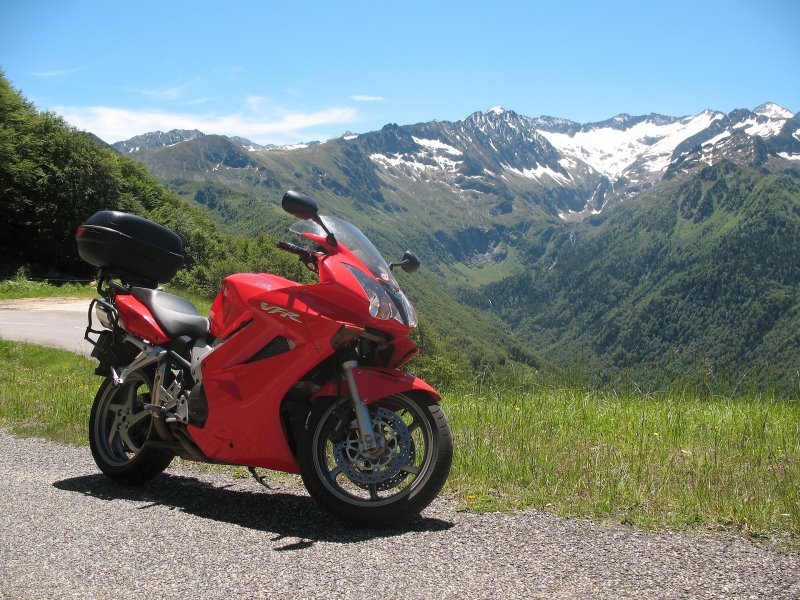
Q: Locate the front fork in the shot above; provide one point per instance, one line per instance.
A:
(370, 443)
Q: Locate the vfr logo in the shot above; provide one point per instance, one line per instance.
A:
(281, 312)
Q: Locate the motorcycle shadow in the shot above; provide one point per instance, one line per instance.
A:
(289, 514)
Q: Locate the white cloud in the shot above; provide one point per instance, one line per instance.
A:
(56, 73)
(165, 93)
(368, 98)
(277, 127)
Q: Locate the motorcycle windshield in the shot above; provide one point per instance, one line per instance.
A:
(358, 243)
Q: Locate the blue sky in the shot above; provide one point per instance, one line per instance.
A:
(292, 71)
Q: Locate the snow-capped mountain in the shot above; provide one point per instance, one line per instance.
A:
(633, 153)
(584, 166)
(156, 139)
(498, 153)
(499, 162)
(160, 139)
(616, 146)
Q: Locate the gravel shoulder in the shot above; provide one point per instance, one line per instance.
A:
(69, 532)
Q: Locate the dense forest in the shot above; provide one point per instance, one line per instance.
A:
(699, 284)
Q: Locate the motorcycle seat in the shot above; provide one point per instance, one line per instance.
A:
(177, 316)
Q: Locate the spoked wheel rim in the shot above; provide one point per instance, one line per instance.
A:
(402, 463)
(122, 425)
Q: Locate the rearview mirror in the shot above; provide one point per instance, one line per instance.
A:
(300, 205)
(305, 207)
(409, 264)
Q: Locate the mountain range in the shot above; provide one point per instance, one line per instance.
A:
(526, 219)
(590, 165)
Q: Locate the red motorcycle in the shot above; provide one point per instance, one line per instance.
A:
(301, 378)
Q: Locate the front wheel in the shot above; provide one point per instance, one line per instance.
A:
(389, 485)
(119, 426)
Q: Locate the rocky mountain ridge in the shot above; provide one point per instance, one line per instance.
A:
(160, 139)
(570, 169)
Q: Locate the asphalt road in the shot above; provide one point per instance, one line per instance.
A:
(67, 532)
(56, 322)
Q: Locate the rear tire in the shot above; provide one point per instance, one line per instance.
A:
(119, 427)
(390, 486)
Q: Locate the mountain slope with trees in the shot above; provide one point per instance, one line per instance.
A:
(52, 178)
(699, 283)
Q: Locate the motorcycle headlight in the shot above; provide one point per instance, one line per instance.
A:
(381, 304)
(407, 308)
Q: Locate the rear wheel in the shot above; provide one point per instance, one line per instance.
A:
(119, 426)
(389, 485)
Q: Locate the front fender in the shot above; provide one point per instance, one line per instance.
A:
(374, 384)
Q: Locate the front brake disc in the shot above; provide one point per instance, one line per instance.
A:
(396, 451)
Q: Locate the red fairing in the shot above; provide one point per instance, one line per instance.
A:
(244, 389)
(138, 320)
(233, 305)
(374, 384)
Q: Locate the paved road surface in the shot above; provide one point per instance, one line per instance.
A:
(68, 532)
(56, 322)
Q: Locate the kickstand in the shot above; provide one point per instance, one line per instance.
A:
(262, 479)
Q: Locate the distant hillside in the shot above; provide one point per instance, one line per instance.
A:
(698, 284)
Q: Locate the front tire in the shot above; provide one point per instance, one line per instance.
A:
(119, 426)
(390, 486)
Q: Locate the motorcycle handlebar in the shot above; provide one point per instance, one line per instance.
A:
(305, 255)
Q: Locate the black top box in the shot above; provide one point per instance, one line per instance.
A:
(132, 248)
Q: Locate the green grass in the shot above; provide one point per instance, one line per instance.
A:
(20, 287)
(45, 392)
(669, 460)
(672, 460)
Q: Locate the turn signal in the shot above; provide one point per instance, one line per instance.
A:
(345, 335)
(406, 358)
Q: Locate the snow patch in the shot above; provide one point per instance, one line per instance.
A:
(789, 156)
(400, 160)
(773, 111)
(568, 163)
(715, 140)
(764, 130)
(538, 173)
(611, 151)
(438, 145)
